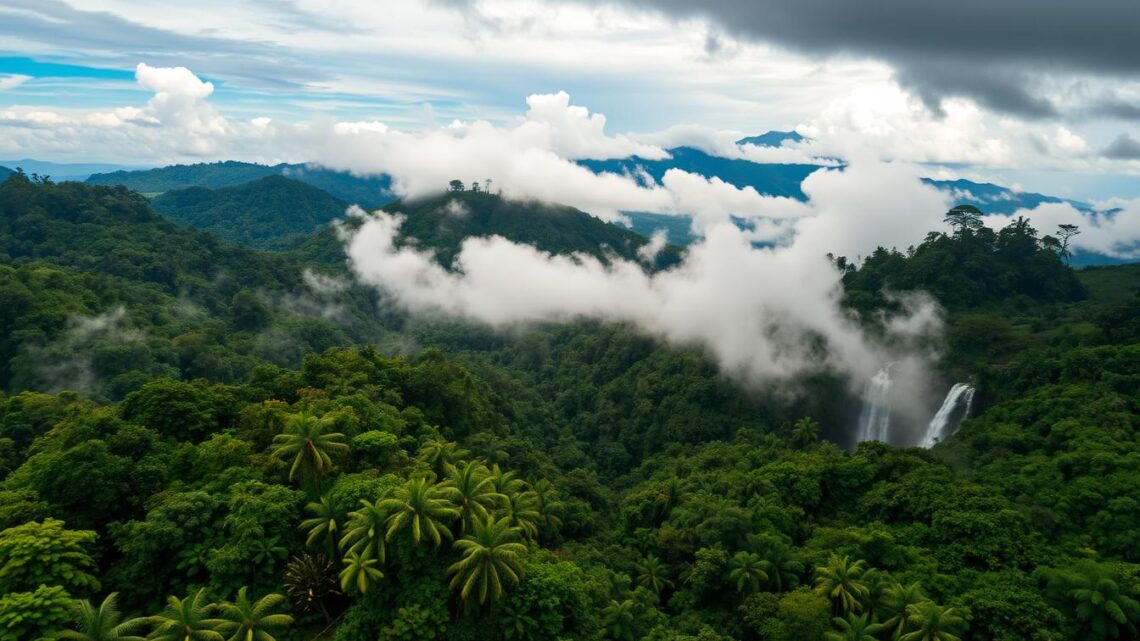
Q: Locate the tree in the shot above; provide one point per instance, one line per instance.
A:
(1066, 233)
(839, 581)
(311, 445)
(422, 508)
(932, 622)
(805, 432)
(1102, 607)
(519, 510)
(324, 526)
(897, 599)
(746, 570)
(455, 185)
(309, 581)
(360, 571)
(32, 616)
(964, 219)
(473, 492)
(441, 455)
(619, 620)
(104, 623)
(854, 628)
(549, 506)
(505, 482)
(186, 620)
(366, 530)
(492, 557)
(652, 574)
(35, 554)
(248, 620)
(781, 564)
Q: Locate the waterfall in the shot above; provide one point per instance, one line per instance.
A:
(947, 420)
(875, 419)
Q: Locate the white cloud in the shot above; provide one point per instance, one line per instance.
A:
(1114, 231)
(12, 80)
(756, 310)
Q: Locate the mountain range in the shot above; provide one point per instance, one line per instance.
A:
(277, 206)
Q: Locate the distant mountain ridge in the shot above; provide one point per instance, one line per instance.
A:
(5, 172)
(366, 191)
(267, 213)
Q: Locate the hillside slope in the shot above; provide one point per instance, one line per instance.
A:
(266, 213)
(367, 191)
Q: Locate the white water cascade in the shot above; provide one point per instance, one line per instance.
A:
(875, 420)
(948, 418)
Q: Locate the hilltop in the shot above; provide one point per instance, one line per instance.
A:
(267, 212)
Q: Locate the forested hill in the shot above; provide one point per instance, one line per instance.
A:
(5, 172)
(195, 438)
(366, 191)
(269, 212)
(441, 223)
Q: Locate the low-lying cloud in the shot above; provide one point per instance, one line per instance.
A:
(766, 314)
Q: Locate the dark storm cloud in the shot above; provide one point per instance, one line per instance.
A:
(990, 50)
(1125, 147)
(1116, 107)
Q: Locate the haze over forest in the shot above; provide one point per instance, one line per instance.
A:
(588, 320)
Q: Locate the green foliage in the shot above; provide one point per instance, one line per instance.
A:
(492, 561)
(103, 623)
(36, 554)
(31, 616)
(268, 212)
(249, 619)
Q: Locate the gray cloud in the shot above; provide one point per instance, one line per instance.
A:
(1116, 107)
(1124, 147)
(990, 51)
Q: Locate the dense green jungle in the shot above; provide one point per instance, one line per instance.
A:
(202, 440)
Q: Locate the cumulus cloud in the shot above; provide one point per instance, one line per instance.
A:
(727, 295)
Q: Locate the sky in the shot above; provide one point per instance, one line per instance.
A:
(1041, 95)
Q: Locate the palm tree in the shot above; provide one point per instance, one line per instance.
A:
(653, 575)
(101, 624)
(805, 432)
(854, 628)
(308, 441)
(492, 555)
(549, 506)
(324, 526)
(505, 483)
(839, 582)
(932, 622)
(359, 570)
(441, 455)
(781, 564)
(472, 491)
(364, 533)
(874, 602)
(746, 570)
(309, 580)
(186, 620)
(249, 620)
(896, 600)
(1103, 606)
(520, 511)
(421, 507)
(619, 620)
